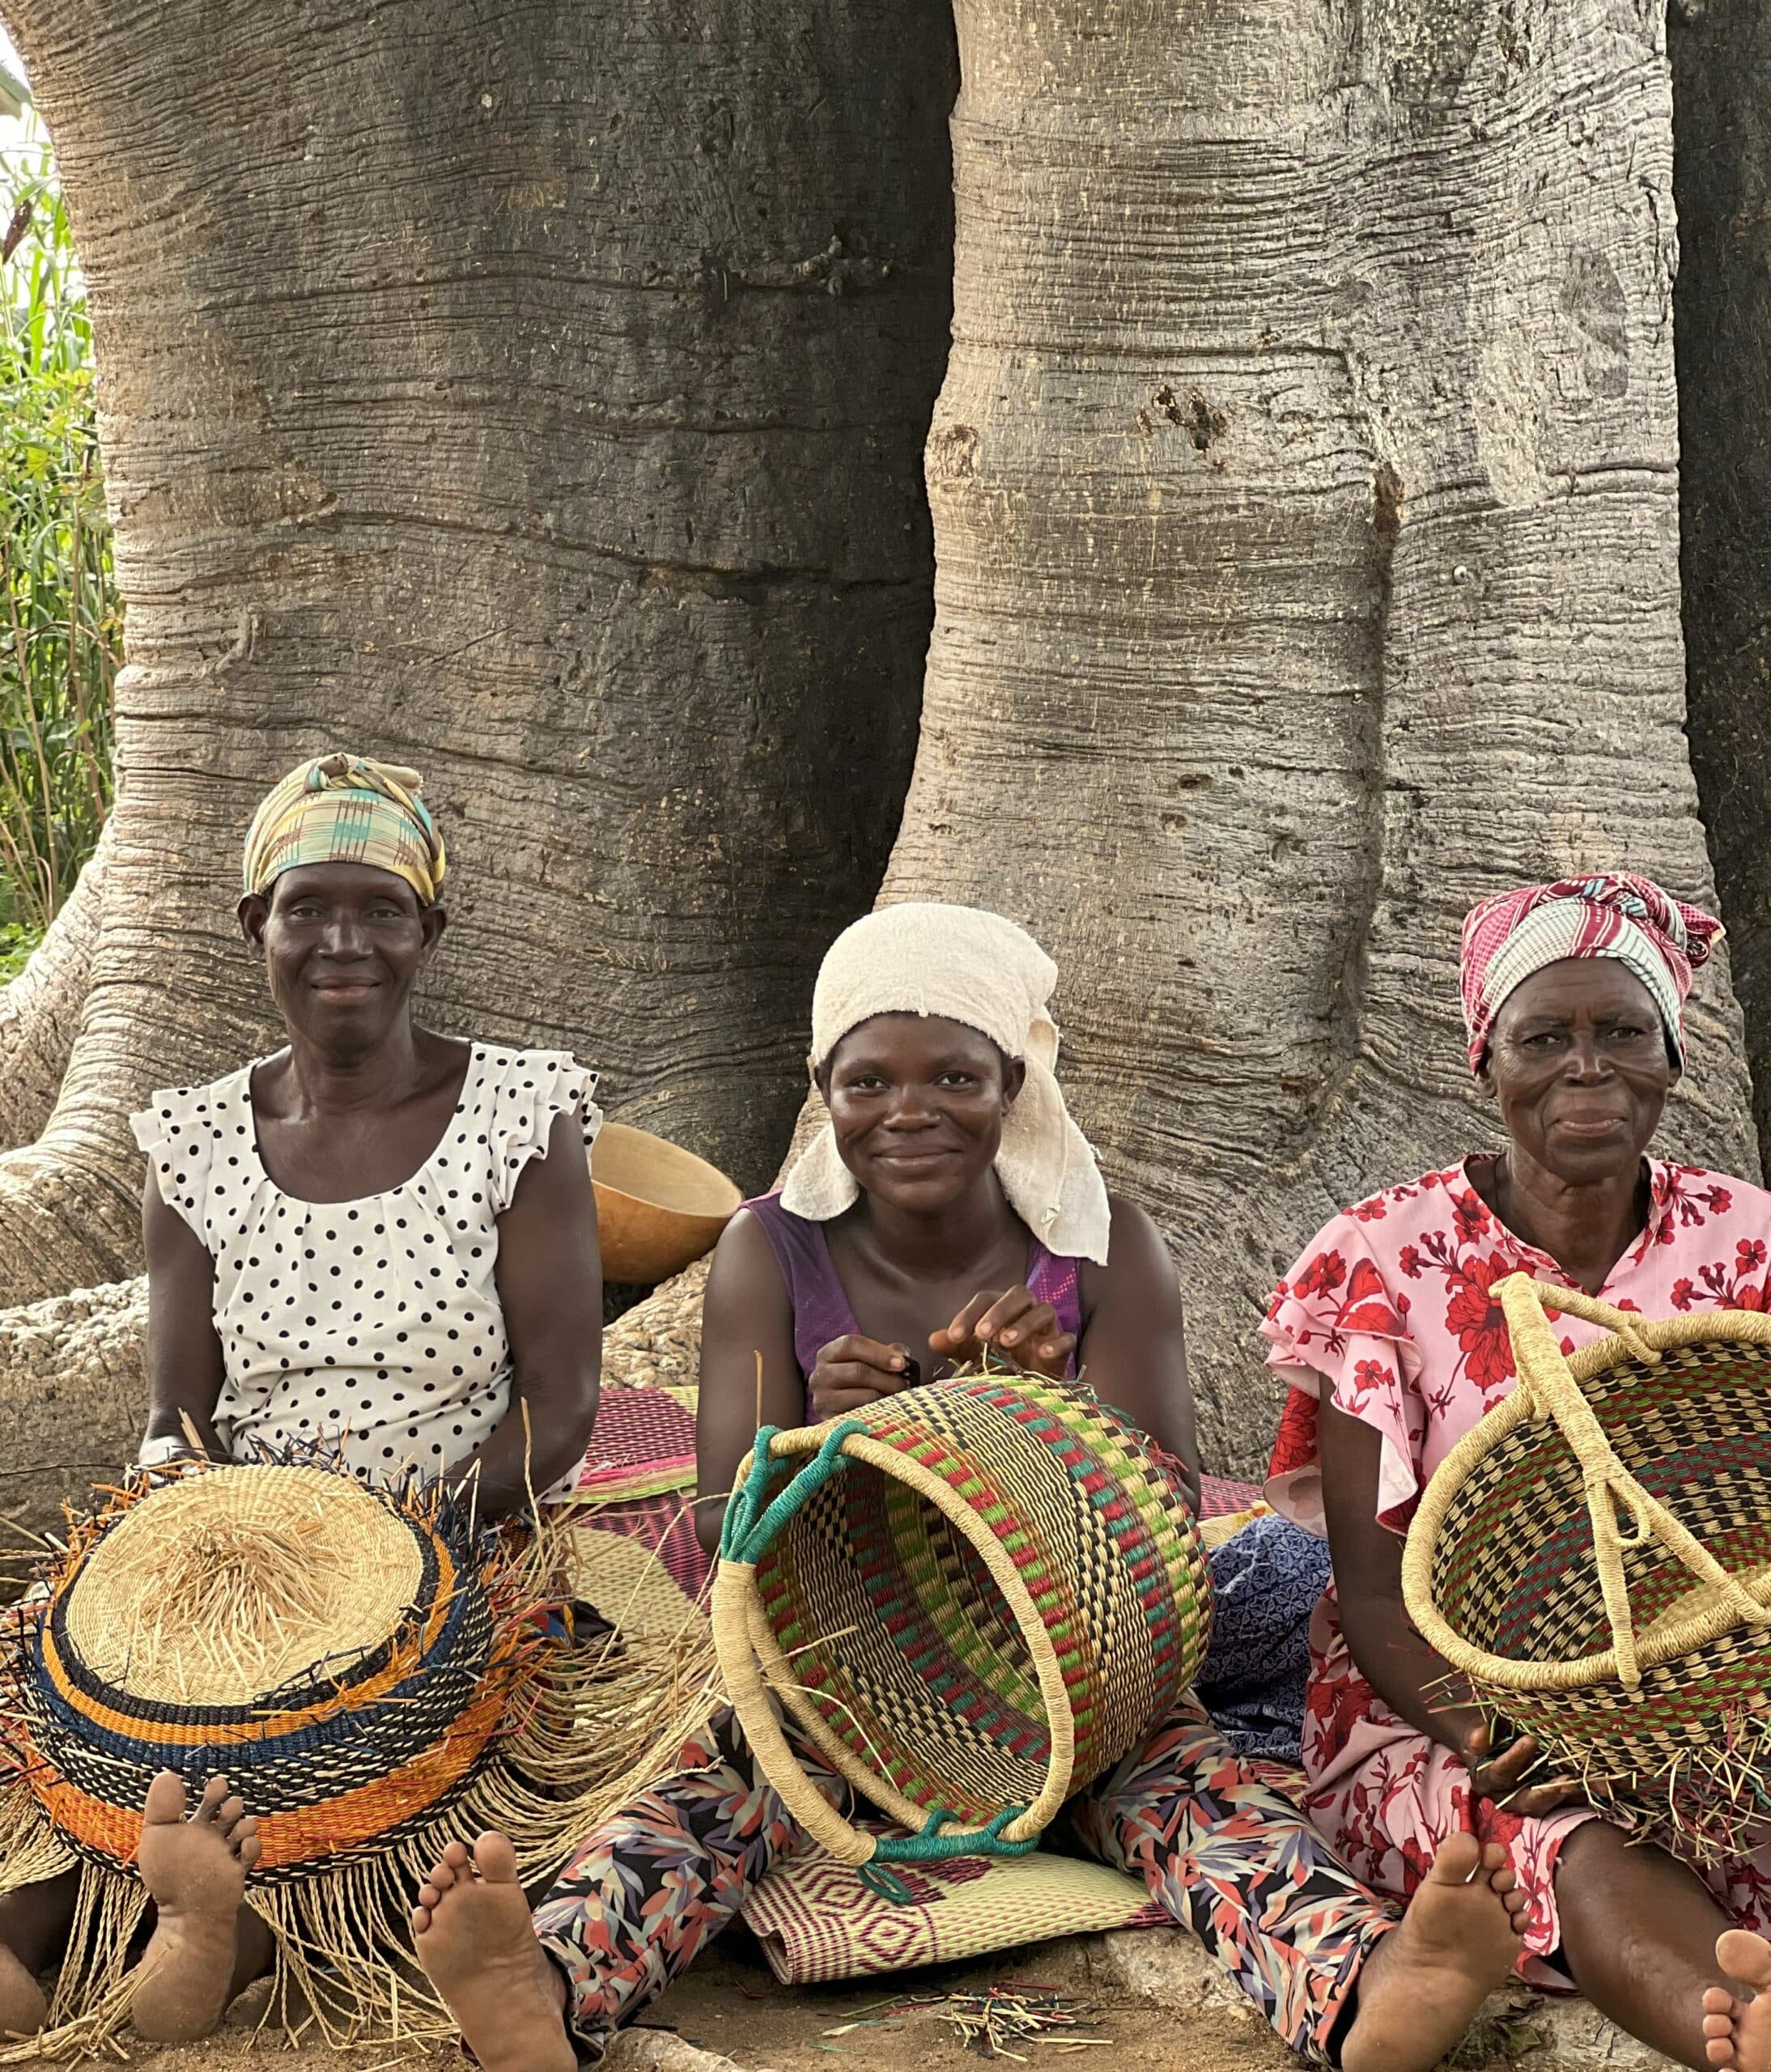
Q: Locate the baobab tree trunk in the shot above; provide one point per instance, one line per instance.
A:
(1307, 539)
(534, 395)
(1722, 77)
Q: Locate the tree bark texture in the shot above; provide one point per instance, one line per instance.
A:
(534, 395)
(1721, 75)
(1306, 532)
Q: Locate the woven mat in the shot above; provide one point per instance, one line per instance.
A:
(817, 1923)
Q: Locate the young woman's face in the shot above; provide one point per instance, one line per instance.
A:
(917, 1103)
(1579, 1066)
(343, 946)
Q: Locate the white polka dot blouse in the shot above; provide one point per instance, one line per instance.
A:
(376, 1320)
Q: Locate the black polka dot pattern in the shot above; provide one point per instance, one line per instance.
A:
(376, 1319)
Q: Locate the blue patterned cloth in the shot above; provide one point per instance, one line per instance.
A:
(1265, 1580)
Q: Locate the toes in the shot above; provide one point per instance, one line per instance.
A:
(1716, 2024)
(1456, 1863)
(214, 1797)
(1494, 1857)
(421, 1918)
(429, 1897)
(229, 1815)
(494, 1857)
(1720, 2053)
(442, 1877)
(1717, 2000)
(458, 1857)
(165, 1805)
(246, 1845)
(1744, 1955)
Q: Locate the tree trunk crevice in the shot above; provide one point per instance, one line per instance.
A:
(539, 401)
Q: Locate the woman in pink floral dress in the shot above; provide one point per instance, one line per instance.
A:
(1388, 1332)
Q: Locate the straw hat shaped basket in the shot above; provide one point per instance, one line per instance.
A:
(973, 1598)
(372, 1670)
(1595, 1558)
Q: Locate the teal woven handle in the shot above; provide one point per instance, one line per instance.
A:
(752, 1517)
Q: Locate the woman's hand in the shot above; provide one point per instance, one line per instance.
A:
(1497, 1776)
(853, 1372)
(1017, 1325)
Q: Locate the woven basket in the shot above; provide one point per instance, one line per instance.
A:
(373, 1671)
(1592, 1557)
(975, 1597)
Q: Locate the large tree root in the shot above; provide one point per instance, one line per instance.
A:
(40, 1010)
(73, 1400)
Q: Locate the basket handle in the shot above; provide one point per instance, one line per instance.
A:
(1610, 1488)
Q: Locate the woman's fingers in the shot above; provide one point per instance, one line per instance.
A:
(853, 1350)
(854, 1371)
(1502, 1773)
(1007, 1320)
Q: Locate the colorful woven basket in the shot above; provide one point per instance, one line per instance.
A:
(975, 1597)
(1594, 1559)
(374, 1673)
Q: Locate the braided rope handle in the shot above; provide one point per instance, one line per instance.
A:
(1609, 1486)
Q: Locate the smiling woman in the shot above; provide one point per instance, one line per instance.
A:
(1389, 1331)
(377, 1238)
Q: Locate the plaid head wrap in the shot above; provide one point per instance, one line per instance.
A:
(346, 809)
(1508, 938)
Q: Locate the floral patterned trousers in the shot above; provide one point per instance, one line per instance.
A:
(1216, 1842)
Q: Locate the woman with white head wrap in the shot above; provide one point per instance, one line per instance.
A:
(946, 1202)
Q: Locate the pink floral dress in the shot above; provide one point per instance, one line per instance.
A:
(1391, 1307)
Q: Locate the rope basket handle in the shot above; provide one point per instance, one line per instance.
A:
(1610, 1488)
(750, 1658)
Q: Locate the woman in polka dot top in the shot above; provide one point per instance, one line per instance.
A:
(376, 1235)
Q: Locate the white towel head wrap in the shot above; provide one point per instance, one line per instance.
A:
(967, 966)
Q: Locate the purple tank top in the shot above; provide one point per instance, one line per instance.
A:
(821, 1309)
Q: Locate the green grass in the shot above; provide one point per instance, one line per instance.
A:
(16, 944)
(61, 623)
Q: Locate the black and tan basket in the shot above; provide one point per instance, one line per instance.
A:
(1594, 1559)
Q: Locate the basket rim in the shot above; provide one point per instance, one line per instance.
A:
(754, 1664)
(1678, 1637)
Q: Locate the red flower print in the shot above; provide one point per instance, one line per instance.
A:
(1749, 1252)
(1324, 1274)
(1409, 1260)
(1469, 1215)
(1478, 1321)
(1369, 1378)
(1368, 1307)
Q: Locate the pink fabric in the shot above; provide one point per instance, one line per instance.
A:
(1391, 1304)
(1509, 937)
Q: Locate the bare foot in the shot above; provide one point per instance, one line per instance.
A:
(1425, 1980)
(476, 1941)
(1738, 2033)
(23, 2008)
(195, 1870)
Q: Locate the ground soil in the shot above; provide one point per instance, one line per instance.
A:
(730, 2006)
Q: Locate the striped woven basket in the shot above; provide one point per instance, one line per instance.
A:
(374, 1673)
(975, 1597)
(1594, 1559)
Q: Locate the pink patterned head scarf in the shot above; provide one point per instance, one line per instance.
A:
(1659, 938)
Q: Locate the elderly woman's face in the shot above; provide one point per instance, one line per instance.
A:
(1579, 1065)
(343, 943)
(917, 1104)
